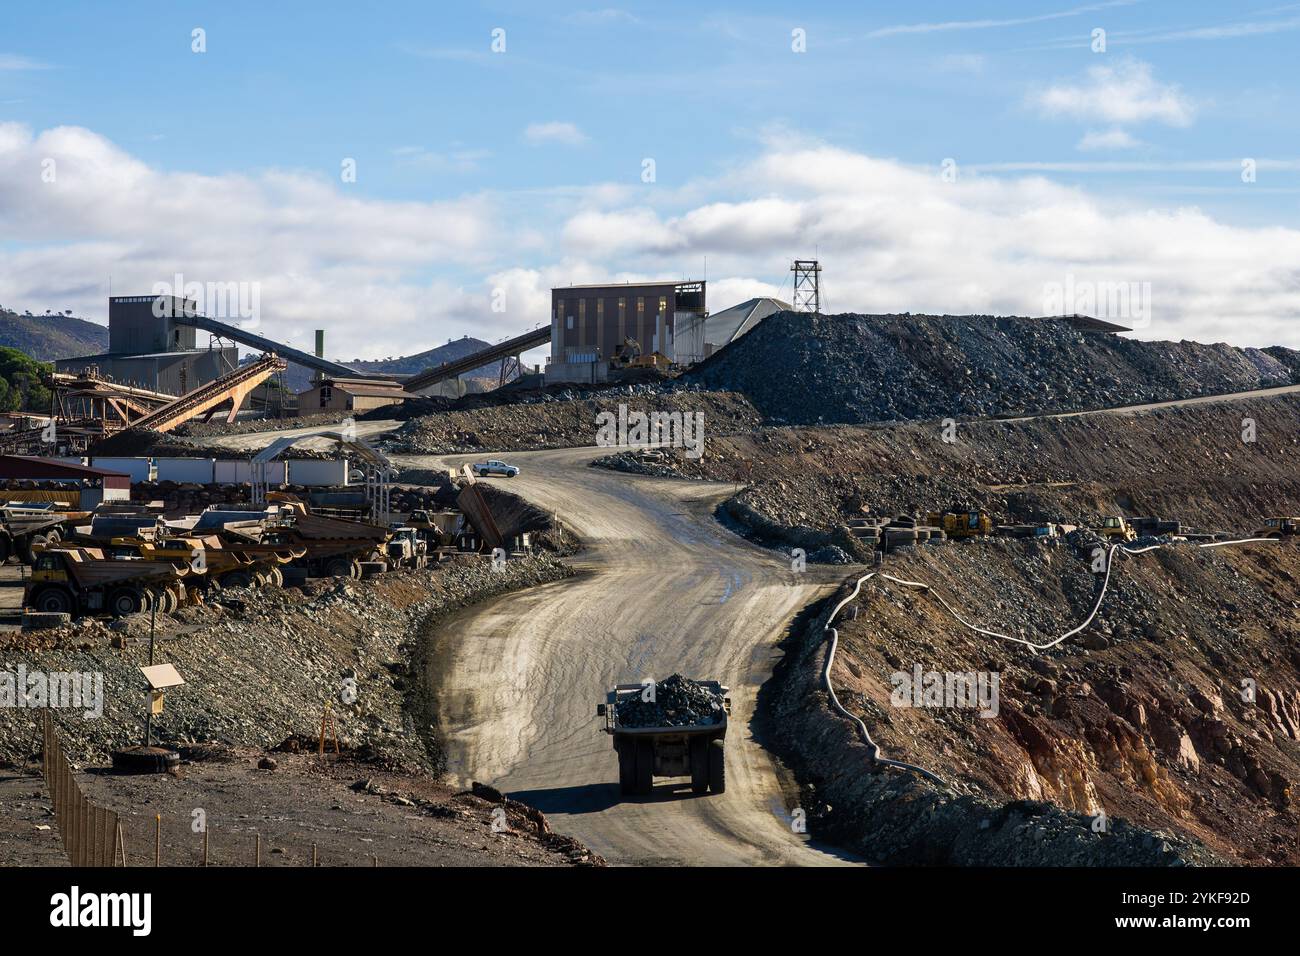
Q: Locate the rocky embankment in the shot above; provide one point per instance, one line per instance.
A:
(1189, 463)
(1175, 716)
(556, 423)
(261, 664)
(803, 369)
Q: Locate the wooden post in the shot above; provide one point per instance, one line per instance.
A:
(205, 844)
(314, 861)
(157, 839)
(257, 849)
(121, 843)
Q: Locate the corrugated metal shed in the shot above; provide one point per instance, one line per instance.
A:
(30, 468)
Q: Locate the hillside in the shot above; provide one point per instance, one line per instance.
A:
(411, 364)
(802, 369)
(49, 337)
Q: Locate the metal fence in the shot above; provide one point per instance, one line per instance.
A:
(91, 835)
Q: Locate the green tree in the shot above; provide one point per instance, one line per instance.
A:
(22, 380)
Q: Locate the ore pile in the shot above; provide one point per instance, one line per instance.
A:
(678, 702)
(803, 369)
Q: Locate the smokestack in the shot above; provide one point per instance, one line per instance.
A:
(320, 353)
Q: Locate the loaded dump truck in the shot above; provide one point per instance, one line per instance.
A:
(673, 728)
(79, 581)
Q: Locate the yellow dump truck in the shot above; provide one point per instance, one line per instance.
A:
(1277, 527)
(230, 567)
(961, 524)
(80, 581)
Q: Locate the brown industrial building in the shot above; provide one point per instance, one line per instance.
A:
(80, 486)
(589, 321)
(349, 395)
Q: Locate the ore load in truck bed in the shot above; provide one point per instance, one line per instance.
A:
(678, 702)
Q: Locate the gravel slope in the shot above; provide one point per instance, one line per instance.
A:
(801, 369)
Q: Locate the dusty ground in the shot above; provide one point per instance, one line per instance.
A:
(11, 597)
(1141, 717)
(1187, 462)
(561, 424)
(261, 664)
(355, 816)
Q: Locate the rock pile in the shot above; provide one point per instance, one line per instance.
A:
(677, 702)
(803, 369)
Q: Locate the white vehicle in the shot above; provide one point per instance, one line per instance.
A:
(494, 467)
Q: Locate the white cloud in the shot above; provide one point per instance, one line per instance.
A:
(990, 23)
(388, 278)
(554, 132)
(455, 160)
(13, 61)
(385, 277)
(1124, 93)
(898, 238)
(1110, 139)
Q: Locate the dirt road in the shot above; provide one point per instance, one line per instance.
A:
(664, 588)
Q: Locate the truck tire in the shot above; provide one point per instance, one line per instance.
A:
(25, 553)
(626, 768)
(699, 764)
(338, 568)
(277, 577)
(717, 766)
(169, 601)
(54, 600)
(236, 579)
(124, 601)
(645, 766)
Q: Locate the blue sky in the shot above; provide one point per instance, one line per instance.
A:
(523, 168)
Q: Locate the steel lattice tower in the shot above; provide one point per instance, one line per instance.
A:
(807, 286)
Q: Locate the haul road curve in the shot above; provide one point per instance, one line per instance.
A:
(662, 587)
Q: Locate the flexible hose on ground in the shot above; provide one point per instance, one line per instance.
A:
(872, 746)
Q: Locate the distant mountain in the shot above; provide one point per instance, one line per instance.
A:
(49, 337)
(299, 379)
(411, 364)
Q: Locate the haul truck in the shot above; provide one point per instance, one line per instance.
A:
(331, 547)
(79, 581)
(230, 567)
(25, 530)
(694, 750)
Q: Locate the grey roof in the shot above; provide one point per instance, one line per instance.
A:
(723, 328)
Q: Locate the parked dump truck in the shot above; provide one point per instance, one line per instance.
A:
(1277, 527)
(79, 581)
(25, 529)
(673, 728)
(331, 547)
(1154, 527)
(961, 524)
(240, 566)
